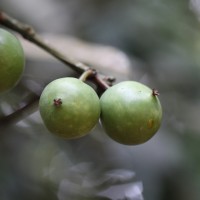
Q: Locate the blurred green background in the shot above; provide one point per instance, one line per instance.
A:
(155, 42)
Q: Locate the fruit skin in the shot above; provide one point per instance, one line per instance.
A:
(130, 113)
(12, 60)
(69, 107)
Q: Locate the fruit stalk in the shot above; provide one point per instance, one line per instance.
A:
(87, 74)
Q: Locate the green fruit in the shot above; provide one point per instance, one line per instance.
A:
(130, 112)
(11, 60)
(69, 107)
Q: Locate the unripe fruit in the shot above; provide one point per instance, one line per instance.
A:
(130, 112)
(69, 107)
(11, 60)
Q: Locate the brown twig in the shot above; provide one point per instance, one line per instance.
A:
(30, 34)
(21, 113)
(87, 74)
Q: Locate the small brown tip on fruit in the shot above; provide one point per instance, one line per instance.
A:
(57, 102)
(155, 92)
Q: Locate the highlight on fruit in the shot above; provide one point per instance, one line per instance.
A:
(12, 60)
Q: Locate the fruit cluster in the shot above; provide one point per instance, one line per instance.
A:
(129, 112)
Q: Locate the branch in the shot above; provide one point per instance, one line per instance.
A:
(21, 113)
(30, 34)
(87, 74)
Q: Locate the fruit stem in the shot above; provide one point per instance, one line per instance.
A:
(87, 74)
(155, 92)
(101, 82)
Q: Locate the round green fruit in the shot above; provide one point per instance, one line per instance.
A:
(11, 60)
(131, 112)
(69, 107)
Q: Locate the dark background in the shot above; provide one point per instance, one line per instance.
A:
(155, 42)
